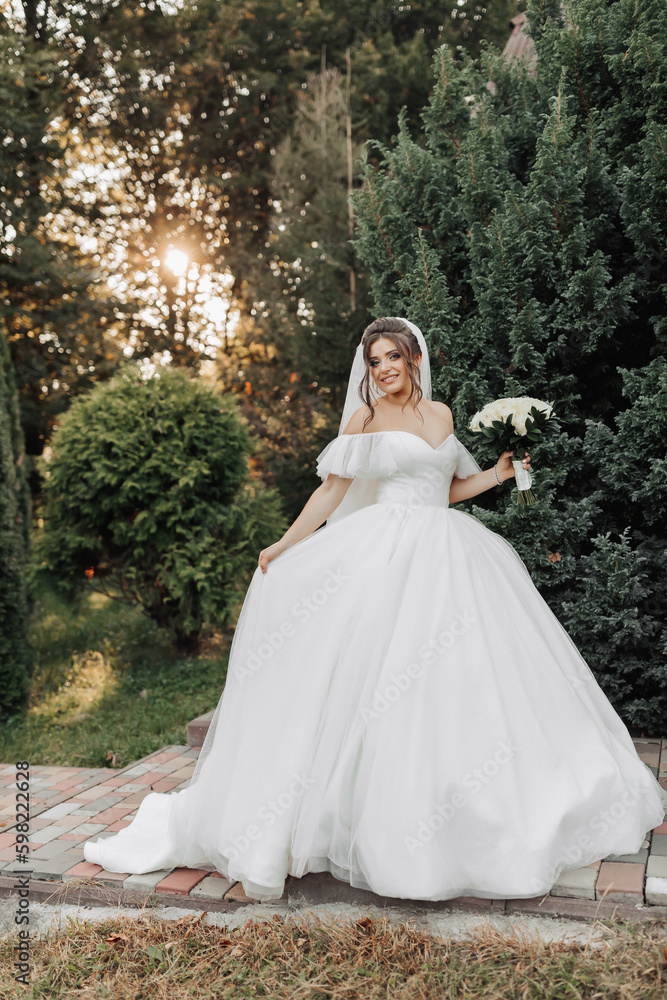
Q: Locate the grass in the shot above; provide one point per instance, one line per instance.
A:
(333, 960)
(107, 689)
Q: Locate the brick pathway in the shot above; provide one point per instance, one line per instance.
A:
(70, 805)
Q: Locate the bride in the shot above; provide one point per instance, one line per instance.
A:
(383, 717)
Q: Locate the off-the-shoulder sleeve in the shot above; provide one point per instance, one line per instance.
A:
(465, 463)
(350, 456)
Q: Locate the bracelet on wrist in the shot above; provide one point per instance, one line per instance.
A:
(495, 472)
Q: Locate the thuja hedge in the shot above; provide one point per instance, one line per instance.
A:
(148, 498)
(527, 236)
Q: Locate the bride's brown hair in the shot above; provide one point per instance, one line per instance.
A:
(407, 346)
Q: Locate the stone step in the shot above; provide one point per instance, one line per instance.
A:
(198, 728)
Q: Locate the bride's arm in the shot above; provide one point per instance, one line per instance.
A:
(320, 505)
(472, 486)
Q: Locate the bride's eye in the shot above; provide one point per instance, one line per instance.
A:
(392, 357)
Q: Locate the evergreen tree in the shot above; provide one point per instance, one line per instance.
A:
(316, 298)
(311, 298)
(54, 320)
(526, 236)
(14, 526)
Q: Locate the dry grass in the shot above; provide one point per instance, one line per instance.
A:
(318, 960)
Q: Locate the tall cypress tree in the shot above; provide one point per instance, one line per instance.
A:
(311, 287)
(527, 237)
(14, 527)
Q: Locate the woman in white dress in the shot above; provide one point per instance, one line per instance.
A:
(384, 718)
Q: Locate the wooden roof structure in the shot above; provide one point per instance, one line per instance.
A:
(520, 45)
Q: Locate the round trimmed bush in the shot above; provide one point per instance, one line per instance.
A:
(148, 497)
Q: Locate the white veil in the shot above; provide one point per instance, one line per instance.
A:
(362, 492)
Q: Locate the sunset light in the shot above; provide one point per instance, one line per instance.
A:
(177, 262)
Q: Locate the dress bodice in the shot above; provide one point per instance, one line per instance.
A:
(405, 468)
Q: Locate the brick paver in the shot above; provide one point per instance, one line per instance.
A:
(212, 888)
(71, 805)
(181, 881)
(621, 882)
(659, 844)
(148, 880)
(83, 870)
(577, 883)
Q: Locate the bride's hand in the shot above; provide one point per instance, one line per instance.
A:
(505, 467)
(266, 555)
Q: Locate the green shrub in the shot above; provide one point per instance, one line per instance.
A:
(148, 497)
(616, 620)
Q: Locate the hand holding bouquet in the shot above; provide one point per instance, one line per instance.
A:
(513, 424)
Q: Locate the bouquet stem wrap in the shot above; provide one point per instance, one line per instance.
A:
(524, 481)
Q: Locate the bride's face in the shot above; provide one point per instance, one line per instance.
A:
(387, 367)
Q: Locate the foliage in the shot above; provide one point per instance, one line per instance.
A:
(14, 524)
(315, 299)
(312, 299)
(526, 237)
(148, 496)
(55, 321)
(613, 614)
(291, 421)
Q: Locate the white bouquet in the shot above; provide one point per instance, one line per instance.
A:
(514, 424)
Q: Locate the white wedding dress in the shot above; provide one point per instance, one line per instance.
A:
(403, 710)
